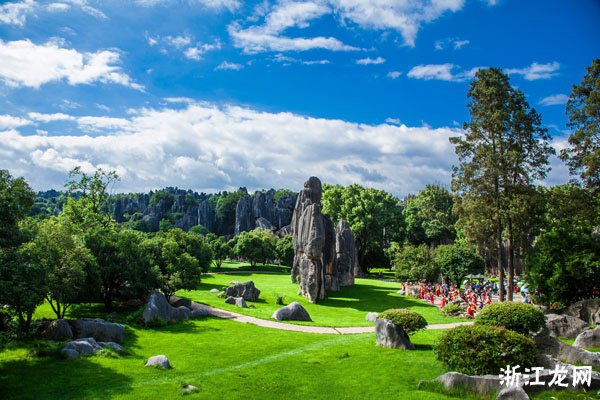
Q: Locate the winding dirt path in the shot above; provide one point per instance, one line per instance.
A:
(217, 312)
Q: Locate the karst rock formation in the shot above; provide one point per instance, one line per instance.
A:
(324, 256)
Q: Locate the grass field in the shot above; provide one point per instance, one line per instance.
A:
(347, 307)
(226, 359)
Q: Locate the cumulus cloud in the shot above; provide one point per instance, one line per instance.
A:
(442, 72)
(405, 17)
(206, 147)
(394, 74)
(554, 100)
(453, 43)
(536, 71)
(9, 122)
(185, 43)
(268, 36)
(226, 65)
(369, 60)
(27, 64)
(16, 13)
(287, 60)
(216, 5)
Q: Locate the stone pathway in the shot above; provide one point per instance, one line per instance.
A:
(246, 319)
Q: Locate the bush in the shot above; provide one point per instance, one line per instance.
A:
(518, 317)
(410, 321)
(479, 350)
(453, 310)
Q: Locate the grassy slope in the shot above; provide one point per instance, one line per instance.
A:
(347, 307)
(226, 359)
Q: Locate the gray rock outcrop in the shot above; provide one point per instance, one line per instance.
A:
(159, 309)
(262, 211)
(292, 312)
(565, 325)
(371, 317)
(324, 255)
(512, 393)
(551, 346)
(98, 329)
(82, 346)
(391, 335)
(346, 257)
(483, 385)
(588, 339)
(59, 329)
(244, 218)
(587, 310)
(236, 301)
(247, 290)
(160, 361)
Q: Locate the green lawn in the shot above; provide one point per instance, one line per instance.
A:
(233, 266)
(347, 307)
(226, 359)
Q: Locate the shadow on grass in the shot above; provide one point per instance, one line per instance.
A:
(60, 379)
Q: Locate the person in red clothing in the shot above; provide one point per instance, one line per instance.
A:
(431, 299)
(437, 290)
(443, 302)
(471, 310)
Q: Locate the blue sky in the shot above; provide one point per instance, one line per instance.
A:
(216, 94)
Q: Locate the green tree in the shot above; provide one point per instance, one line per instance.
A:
(256, 246)
(16, 200)
(415, 263)
(429, 218)
(62, 254)
(225, 211)
(284, 248)
(457, 260)
(504, 151)
(374, 216)
(220, 248)
(583, 109)
(171, 256)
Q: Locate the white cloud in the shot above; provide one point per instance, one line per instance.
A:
(9, 122)
(454, 43)
(406, 17)
(393, 121)
(394, 74)
(195, 53)
(27, 64)
(369, 60)
(211, 148)
(58, 7)
(226, 65)
(45, 118)
(216, 5)
(536, 71)
(268, 37)
(315, 62)
(442, 72)
(86, 8)
(554, 100)
(287, 61)
(178, 41)
(16, 13)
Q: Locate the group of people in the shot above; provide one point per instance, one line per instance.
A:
(475, 295)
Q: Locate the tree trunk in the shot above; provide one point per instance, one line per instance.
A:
(511, 266)
(499, 260)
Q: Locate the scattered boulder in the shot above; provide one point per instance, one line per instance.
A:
(292, 312)
(115, 346)
(483, 385)
(59, 329)
(236, 301)
(587, 310)
(565, 325)
(160, 361)
(213, 290)
(391, 335)
(159, 309)
(189, 389)
(69, 354)
(372, 317)
(99, 329)
(81, 346)
(512, 393)
(589, 338)
(247, 290)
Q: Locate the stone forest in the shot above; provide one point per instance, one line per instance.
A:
(300, 199)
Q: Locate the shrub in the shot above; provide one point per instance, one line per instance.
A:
(453, 309)
(478, 350)
(410, 321)
(519, 317)
(279, 299)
